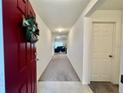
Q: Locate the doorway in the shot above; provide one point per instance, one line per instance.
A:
(102, 51)
(60, 44)
(60, 47)
(103, 58)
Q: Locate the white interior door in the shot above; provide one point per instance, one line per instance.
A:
(102, 48)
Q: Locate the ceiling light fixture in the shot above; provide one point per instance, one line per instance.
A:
(59, 30)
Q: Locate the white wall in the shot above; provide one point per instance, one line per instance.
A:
(116, 17)
(79, 43)
(87, 50)
(44, 46)
(2, 79)
(75, 47)
(79, 46)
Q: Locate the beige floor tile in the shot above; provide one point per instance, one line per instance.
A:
(63, 87)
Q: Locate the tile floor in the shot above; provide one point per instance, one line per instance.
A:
(62, 87)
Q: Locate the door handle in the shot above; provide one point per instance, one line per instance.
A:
(37, 59)
(110, 56)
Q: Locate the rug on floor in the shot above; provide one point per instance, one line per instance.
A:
(104, 87)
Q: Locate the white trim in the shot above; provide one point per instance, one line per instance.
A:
(89, 7)
(84, 19)
(87, 28)
(113, 43)
(113, 16)
(2, 78)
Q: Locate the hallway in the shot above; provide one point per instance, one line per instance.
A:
(60, 77)
(86, 34)
(59, 69)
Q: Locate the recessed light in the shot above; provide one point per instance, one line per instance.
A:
(59, 30)
(58, 37)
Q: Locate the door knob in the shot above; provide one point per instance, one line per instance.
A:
(110, 56)
(37, 59)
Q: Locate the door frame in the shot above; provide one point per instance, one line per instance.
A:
(2, 72)
(113, 43)
(112, 17)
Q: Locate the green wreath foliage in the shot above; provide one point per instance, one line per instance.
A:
(31, 29)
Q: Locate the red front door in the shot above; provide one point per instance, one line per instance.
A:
(20, 63)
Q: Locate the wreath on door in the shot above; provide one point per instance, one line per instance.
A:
(30, 28)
